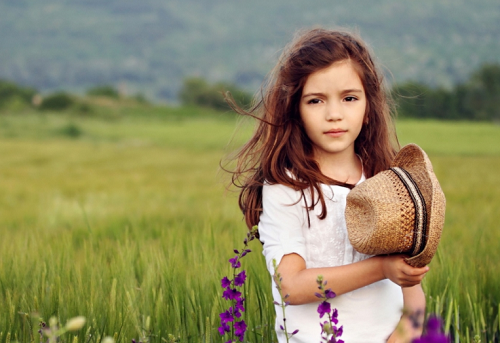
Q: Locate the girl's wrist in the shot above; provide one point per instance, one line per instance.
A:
(380, 267)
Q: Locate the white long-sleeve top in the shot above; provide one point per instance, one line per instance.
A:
(369, 314)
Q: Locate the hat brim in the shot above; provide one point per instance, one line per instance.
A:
(411, 157)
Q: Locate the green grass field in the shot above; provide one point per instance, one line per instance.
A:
(126, 221)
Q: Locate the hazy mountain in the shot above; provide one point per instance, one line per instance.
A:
(151, 45)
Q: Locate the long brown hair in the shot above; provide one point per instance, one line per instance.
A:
(279, 151)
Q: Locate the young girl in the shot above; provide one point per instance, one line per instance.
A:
(324, 126)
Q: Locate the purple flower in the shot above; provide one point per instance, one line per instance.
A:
(235, 294)
(323, 308)
(239, 305)
(243, 254)
(235, 263)
(227, 293)
(433, 325)
(335, 314)
(329, 294)
(433, 334)
(225, 282)
(329, 330)
(441, 338)
(236, 329)
(231, 294)
(239, 280)
(226, 316)
(223, 329)
(239, 329)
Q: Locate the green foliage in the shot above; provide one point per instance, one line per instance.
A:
(193, 91)
(141, 98)
(197, 91)
(241, 97)
(484, 92)
(476, 99)
(57, 102)
(71, 130)
(11, 95)
(84, 108)
(416, 100)
(104, 90)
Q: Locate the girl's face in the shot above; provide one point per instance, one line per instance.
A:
(332, 108)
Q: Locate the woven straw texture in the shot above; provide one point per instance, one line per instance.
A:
(380, 213)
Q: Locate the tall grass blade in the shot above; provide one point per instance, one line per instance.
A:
(448, 316)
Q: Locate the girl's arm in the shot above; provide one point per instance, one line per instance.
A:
(300, 283)
(411, 324)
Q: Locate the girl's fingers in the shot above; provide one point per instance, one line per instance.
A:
(411, 271)
(412, 276)
(409, 281)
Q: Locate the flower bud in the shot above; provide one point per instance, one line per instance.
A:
(108, 339)
(327, 328)
(52, 322)
(75, 323)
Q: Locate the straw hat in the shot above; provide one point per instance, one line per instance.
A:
(400, 210)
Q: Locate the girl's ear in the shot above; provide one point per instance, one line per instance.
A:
(366, 119)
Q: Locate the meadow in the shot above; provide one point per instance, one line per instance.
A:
(125, 219)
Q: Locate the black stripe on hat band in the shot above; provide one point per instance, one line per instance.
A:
(420, 231)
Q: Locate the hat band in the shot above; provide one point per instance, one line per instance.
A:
(420, 231)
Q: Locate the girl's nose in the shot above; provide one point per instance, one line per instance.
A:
(333, 112)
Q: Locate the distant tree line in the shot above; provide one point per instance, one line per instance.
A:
(478, 98)
(14, 97)
(475, 99)
(197, 91)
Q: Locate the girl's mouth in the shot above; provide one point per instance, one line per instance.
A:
(335, 132)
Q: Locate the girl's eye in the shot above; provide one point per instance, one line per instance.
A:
(314, 101)
(350, 98)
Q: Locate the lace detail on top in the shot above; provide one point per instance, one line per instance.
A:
(326, 241)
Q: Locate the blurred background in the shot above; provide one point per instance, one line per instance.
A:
(152, 46)
(113, 126)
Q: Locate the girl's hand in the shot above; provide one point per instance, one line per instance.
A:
(398, 271)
